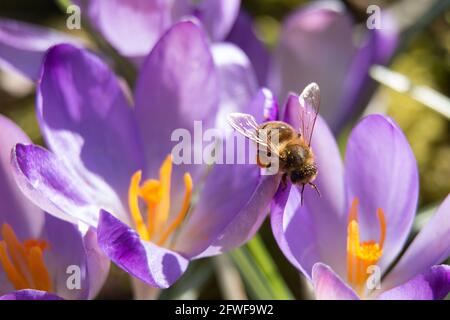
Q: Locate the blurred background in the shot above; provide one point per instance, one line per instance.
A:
(423, 57)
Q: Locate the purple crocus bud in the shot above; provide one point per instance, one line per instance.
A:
(41, 257)
(359, 226)
(112, 167)
(22, 46)
(134, 26)
(317, 45)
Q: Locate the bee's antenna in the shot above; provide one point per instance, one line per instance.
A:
(301, 193)
(314, 187)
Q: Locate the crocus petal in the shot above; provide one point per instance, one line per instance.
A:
(25, 218)
(434, 284)
(177, 86)
(381, 171)
(67, 258)
(243, 35)
(87, 122)
(29, 294)
(154, 265)
(288, 222)
(320, 219)
(244, 224)
(22, 45)
(315, 46)
(430, 247)
(218, 16)
(53, 186)
(132, 26)
(328, 285)
(97, 263)
(237, 81)
(378, 48)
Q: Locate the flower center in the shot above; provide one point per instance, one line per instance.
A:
(362, 255)
(23, 263)
(156, 196)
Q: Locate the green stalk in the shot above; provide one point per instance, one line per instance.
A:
(262, 257)
(252, 275)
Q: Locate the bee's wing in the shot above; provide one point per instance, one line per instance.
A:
(309, 109)
(246, 125)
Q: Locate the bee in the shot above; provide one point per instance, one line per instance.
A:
(291, 148)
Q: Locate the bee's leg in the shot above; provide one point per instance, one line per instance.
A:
(315, 188)
(284, 181)
(301, 193)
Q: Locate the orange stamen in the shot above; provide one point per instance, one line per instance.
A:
(184, 210)
(156, 194)
(362, 255)
(16, 279)
(133, 203)
(41, 277)
(24, 262)
(163, 207)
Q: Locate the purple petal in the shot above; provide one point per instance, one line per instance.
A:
(229, 212)
(98, 263)
(154, 265)
(66, 250)
(237, 81)
(53, 186)
(328, 285)
(24, 217)
(430, 247)
(22, 45)
(381, 172)
(378, 48)
(243, 35)
(131, 26)
(177, 86)
(320, 219)
(218, 16)
(29, 294)
(289, 221)
(315, 45)
(87, 121)
(434, 284)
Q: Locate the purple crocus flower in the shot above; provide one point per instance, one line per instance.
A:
(132, 27)
(36, 249)
(363, 219)
(317, 44)
(110, 165)
(23, 45)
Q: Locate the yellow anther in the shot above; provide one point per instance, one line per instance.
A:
(362, 255)
(156, 195)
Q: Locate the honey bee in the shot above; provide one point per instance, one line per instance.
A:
(291, 148)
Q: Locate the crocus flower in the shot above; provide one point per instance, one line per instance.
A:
(110, 165)
(23, 45)
(363, 219)
(317, 45)
(37, 251)
(134, 26)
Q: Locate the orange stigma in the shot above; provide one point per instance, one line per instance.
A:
(362, 255)
(23, 263)
(156, 196)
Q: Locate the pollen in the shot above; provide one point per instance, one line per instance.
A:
(158, 227)
(24, 263)
(362, 255)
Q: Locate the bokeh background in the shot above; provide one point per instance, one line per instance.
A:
(424, 57)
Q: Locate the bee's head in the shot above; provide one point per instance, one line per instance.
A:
(304, 174)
